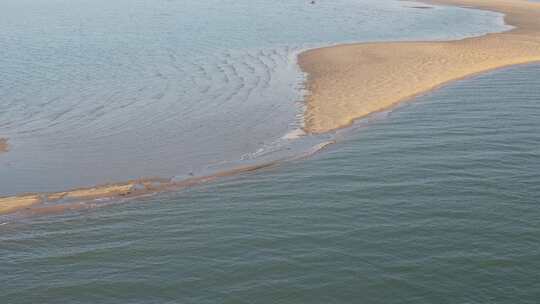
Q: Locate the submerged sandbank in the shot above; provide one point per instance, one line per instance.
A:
(3, 145)
(84, 198)
(91, 197)
(347, 82)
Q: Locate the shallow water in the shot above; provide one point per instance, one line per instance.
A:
(433, 202)
(104, 91)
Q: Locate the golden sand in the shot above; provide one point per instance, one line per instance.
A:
(11, 204)
(85, 198)
(348, 82)
(82, 198)
(3, 145)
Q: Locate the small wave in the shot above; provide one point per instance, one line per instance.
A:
(294, 134)
(319, 147)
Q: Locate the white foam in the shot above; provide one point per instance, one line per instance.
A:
(294, 134)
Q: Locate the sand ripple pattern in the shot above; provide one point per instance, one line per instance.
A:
(110, 91)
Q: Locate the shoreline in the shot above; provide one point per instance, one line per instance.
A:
(89, 197)
(92, 197)
(348, 82)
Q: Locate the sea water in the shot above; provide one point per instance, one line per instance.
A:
(436, 202)
(93, 92)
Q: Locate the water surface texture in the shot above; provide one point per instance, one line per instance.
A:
(105, 91)
(433, 202)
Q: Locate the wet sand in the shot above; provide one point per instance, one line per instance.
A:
(348, 82)
(3, 145)
(87, 198)
(92, 197)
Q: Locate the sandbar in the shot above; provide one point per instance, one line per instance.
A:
(352, 81)
(11, 204)
(85, 198)
(348, 82)
(92, 197)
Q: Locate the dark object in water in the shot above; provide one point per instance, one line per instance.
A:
(312, 2)
(422, 7)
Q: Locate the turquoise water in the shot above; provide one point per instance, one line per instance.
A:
(105, 91)
(433, 202)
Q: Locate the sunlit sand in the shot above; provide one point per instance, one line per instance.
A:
(347, 82)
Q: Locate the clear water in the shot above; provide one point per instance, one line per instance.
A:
(434, 202)
(105, 91)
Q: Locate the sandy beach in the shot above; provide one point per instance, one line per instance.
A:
(3, 145)
(348, 82)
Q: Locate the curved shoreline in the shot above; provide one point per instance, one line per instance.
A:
(87, 198)
(90, 197)
(351, 81)
(318, 63)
